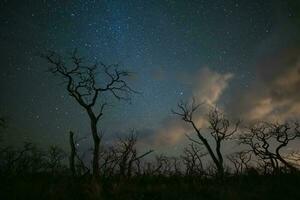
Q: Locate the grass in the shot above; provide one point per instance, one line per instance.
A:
(245, 187)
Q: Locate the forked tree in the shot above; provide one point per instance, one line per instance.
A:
(240, 161)
(192, 159)
(122, 157)
(161, 166)
(127, 154)
(89, 85)
(268, 140)
(76, 163)
(219, 129)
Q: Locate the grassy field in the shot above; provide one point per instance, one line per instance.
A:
(47, 186)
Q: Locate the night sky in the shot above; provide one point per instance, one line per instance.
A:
(242, 56)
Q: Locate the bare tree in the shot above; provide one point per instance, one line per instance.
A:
(176, 163)
(109, 161)
(76, 163)
(88, 85)
(24, 160)
(55, 156)
(128, 154)
(192, 159)
(161, 166)
(267, 140)
(220, 129)
(122, 157)
(240, 161)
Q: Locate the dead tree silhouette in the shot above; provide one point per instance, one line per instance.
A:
(88, 85)
(109, 161)
(161, 166)
(220, 129)
(266, 140)
(27, 159)
(128, 155)
(55, 157)
(192, 159)
(122, 158)
(241, 161)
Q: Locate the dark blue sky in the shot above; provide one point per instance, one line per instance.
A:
(167, 44)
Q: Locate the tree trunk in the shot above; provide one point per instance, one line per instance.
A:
(212, 155)
(288, 165)
(220, 159)
(72, 154)
(96, 140)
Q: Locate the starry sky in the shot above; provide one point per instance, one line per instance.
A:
(242, 56)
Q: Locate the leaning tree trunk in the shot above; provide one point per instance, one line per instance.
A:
(218, 162)
(286, 164)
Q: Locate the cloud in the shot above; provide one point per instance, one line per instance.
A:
(274, 95)
(208, 86)
(171, 132)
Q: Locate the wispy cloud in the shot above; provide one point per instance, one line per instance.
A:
(274, 95)
(208, 87)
